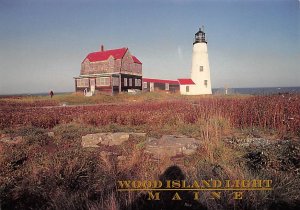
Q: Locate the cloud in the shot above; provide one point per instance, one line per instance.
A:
(179, 52)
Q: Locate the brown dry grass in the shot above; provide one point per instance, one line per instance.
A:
(46, 172)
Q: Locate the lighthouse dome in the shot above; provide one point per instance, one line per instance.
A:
(200, 36)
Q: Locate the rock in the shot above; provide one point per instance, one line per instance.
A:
(138, 134)
(121, 158)
(119, 138)
(12, 140)
(50, 134)
(171, 146)
(2, 135)
(109, 139)
(217, 170)
(91, 140)
(167, 145)
(105, 153)
(17, 140)
(188, 151)
(249, 141)
(6, 139)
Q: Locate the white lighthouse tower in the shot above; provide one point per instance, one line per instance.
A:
(200, 66)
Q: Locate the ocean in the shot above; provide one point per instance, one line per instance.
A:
(217, 91)
(258, 91)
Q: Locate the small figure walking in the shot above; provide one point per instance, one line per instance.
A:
(51, 93)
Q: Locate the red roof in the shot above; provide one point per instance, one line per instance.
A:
(136, 60)
(186, 81)
(160, 81)
(104, 55)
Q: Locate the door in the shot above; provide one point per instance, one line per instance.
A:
(151, 86)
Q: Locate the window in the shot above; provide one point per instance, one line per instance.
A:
(201, 68)
(187, 89)
(205, 83)
(115, 81)
(83, 82)
(167, 86)
(130, 82)
(125, 82)
(103, 81)
(137, 82)
(145, 84)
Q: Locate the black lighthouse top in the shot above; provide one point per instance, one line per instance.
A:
(200, 36)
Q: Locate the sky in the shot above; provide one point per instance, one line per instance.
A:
(251, 43)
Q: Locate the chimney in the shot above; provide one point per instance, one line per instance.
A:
(102, 48)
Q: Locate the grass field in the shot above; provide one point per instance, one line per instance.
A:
(43, 171)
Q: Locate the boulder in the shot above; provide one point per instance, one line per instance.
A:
(108, 139)
(50, 134)
(121, 158)
(118, 138)
(249, 141)
(167, 145)
(171, 146)
(12, 140)
(138, 134)
(91, 140)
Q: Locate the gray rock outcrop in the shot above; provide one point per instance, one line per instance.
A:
(171, 146)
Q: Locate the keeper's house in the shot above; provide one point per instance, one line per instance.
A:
(109, 71)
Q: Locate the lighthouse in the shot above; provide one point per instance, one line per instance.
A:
(200, 74)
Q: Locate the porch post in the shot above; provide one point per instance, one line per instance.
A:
(120, 83)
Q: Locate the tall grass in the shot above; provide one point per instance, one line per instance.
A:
(55, 172)
(265, 112)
